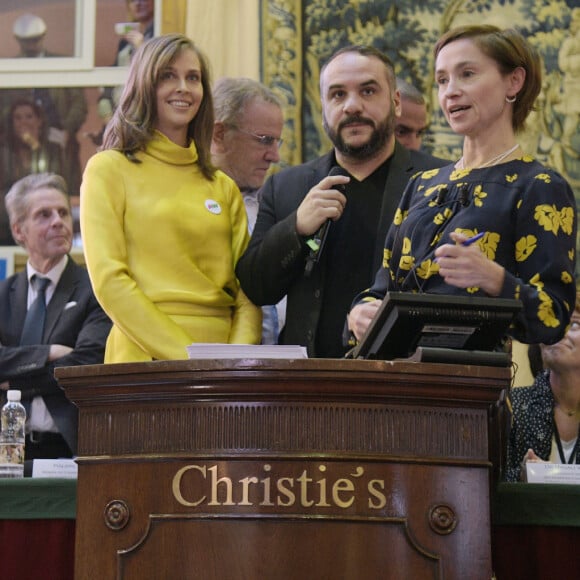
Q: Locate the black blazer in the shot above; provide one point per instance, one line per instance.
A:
(273, 264)
(73, 318)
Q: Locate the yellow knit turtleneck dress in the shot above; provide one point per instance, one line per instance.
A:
(161, 243)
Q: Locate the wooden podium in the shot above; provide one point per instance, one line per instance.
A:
(279, 469)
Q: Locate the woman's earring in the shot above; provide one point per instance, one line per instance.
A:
(511, 99)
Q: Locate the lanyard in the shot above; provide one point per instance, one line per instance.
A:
(559, 444)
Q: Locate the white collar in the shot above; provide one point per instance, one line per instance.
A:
(53, 274)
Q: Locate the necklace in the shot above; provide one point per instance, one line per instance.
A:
(493, 161)
(575, 450)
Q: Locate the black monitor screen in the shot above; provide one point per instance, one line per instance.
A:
(406, 323)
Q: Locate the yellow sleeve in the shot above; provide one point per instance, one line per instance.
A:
(102, 217)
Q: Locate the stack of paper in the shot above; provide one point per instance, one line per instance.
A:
(206, 350)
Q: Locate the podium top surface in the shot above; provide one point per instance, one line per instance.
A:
(313, 365)
(259, 378)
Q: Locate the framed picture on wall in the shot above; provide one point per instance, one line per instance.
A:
(52, 118)
(46, 35)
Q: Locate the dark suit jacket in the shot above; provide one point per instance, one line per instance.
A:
(273, 265)
(74, 318)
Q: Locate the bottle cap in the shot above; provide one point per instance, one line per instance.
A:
(13, 395)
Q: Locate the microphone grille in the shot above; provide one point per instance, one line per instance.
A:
(338, 170)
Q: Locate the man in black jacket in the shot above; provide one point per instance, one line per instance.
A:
(360, 104)
(75, 328)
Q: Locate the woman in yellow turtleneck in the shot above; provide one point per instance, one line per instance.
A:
(162, 229)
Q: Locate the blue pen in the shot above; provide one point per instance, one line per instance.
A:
(473, 239)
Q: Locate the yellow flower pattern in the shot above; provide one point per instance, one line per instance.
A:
(525, 247)
(427, 269)
(478, 196)
(429, 174)
(443, 216)
(546, 311)
(536, 282)
(552, 220)
(528, 219)
(435, 241)
(406, 262)
(399, 217)
(386, 257)
(459, 174)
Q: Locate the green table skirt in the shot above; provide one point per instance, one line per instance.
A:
(38, 498)
(536, 504)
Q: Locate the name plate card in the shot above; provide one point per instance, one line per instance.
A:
(553, 473)
(61, 468)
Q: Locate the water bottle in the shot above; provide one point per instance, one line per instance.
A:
(13, 419)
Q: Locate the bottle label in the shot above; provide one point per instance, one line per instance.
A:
(12, 453)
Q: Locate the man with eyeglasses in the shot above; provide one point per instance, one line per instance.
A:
(411, 125)
(246, 141)
(360, 104)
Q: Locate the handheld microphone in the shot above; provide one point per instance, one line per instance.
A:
(317, 241)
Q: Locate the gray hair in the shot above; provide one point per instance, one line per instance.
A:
(16, 200)
(231, 95)
(410, 92)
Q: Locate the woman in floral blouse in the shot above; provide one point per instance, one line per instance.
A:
(524, 212)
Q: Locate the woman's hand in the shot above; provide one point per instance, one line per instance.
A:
(532, 458)
(467, 266)
(135, 38)
(30, 140)
(360, 317)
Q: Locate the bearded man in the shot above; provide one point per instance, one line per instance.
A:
(287, 255)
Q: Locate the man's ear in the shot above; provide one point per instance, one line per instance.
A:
(397, 107)
(218, 140)
(16, 229)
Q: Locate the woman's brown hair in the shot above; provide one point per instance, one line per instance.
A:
(510, 50)
(132, 124)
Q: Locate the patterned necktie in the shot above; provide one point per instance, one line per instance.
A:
(36, 315)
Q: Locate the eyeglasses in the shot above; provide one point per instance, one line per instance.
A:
(264, 140)
(403, 131)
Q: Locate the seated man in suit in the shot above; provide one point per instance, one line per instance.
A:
(73, 327)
